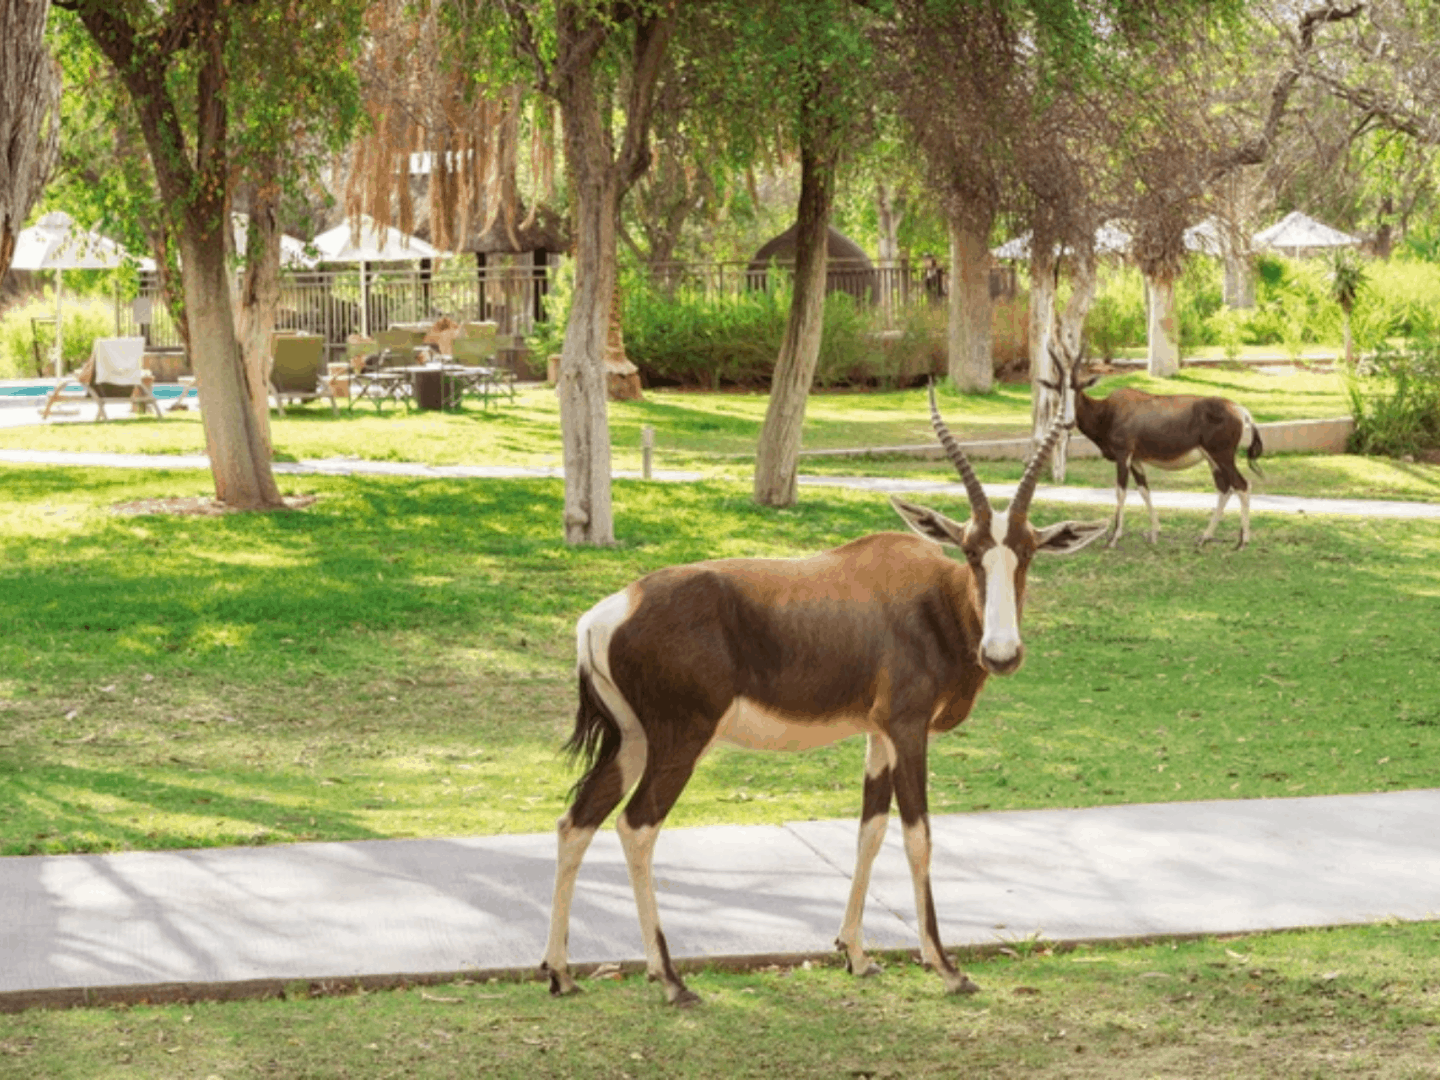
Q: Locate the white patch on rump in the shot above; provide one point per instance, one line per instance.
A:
(595, 629)
(752, 726)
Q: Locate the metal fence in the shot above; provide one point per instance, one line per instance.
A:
(328, 302)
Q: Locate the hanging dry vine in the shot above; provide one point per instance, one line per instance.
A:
(431, 117)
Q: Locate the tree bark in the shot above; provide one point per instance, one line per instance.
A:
(599, 177)
(1044, 402)
(29, 116)
(778, 453)
(972, 367)
(257, 304)
(1163, 328)
(1239, 284)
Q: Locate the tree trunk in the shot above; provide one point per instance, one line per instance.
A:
(599, 178)
(1043, 401)
(192, 173)
(887, 218)
(29, 116)
(1239, 287)
(584, 423)
(1163, 328)
(972, 367)
(778, 453)
(1070, 329)
(258, 302)
(239, 452)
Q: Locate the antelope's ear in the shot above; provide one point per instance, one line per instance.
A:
(929, 523)
(1050, 384)
(1068, 537)
(1088, 382)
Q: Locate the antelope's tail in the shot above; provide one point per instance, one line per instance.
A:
(596, 738)
(1257, 447)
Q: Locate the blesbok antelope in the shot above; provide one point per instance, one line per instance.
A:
(1170, 431)
(886, 636)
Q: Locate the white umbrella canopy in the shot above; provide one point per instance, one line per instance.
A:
(1297, 232)
(54, 243)
(370, 244)
(1110, 239)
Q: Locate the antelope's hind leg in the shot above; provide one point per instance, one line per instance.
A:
(1143, 483)
(874, 816)
(618, 765)
(1227, 479)
(665, 776)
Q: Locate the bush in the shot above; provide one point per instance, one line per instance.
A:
(1395, 400)
(85, 320)
(688, 338)
(1117, 317)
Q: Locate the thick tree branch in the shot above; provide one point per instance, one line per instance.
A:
(1255, 150)
(652, 36)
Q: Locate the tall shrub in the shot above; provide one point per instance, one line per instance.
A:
(1395, 400)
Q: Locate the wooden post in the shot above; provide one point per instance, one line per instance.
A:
(647, 450)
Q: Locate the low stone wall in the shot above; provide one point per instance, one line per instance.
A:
(1280, 437)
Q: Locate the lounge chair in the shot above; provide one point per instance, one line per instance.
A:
(297, 370)
(474, 350)
(114, 372)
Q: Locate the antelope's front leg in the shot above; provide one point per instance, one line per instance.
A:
(874, 816)
(1122, 478)
(915, 820)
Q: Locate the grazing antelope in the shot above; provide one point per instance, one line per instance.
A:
(885, 636)
(1170, 431)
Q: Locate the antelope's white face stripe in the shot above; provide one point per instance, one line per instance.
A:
(1000, 642)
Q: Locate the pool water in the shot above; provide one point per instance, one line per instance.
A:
(162, 391)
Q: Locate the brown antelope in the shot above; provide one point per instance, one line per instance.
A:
(885, 636)
(1170, 431)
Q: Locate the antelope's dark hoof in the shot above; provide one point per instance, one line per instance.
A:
(684, 998)
(964, 987)
(869, 971)
(560, 987)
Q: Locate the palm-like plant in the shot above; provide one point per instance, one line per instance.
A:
(1347, 278)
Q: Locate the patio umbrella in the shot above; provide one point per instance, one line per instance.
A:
(1110, 239)
(1297, 232)
(53, 243)
(366, 245)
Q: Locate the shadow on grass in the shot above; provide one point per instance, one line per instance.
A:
(64, 822)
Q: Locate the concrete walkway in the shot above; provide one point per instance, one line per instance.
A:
(243, 921)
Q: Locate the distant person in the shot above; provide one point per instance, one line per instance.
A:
(932, 278)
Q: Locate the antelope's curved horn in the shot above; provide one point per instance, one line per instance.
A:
(979, 504)
(1020, 505)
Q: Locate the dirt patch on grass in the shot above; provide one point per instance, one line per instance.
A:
(197, 505)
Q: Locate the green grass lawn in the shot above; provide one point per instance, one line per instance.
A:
(1352, 1002)
(397, 660)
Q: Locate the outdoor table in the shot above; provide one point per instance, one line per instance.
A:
(379, 385)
